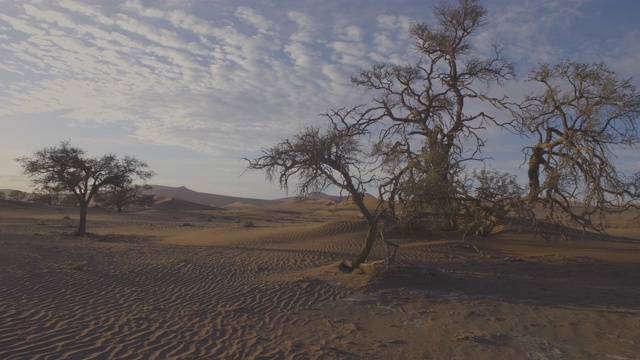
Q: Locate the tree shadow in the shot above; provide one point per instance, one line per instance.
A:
(579, 282)
(122, 238)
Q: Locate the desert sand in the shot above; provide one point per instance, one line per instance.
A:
(182, 281)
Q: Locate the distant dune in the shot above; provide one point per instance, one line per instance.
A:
(204, 198)
(176, 204)
(224, 200)
(317, 196)
(218, 201)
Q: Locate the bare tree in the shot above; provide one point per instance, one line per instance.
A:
(145, 200)
(121, 195)
(18, 195)
(582, 113)
(427, 102)
(66, 168)
(417, 129)
(317, 160)
(48, 197)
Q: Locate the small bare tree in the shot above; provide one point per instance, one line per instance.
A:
(496, 196)
(66, 168)
(18, 195)
(122, 195)
(48, 198)
(145, 200)
(337, 157)
(582, 113)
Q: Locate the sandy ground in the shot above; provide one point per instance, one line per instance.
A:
(250, 282)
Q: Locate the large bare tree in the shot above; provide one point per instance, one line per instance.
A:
(66, 168)
(580, 116)
(427, 103)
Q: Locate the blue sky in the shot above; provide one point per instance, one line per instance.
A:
(191, 87)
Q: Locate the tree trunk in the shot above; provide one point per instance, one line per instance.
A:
(82, 227)
(534, 172)
(368, 245)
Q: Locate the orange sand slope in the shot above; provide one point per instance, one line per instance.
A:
(246, 282)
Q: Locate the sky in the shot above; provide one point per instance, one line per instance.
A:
(193, 86)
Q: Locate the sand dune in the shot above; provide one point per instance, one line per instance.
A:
(203, 198)
(181, 282)
(176, 204)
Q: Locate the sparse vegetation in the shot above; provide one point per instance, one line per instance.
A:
(119, 196)
(248, 224)
(426, 122)
(18, 195)
(74, 265)
(66, 168)
(495, 196)
(411, 142)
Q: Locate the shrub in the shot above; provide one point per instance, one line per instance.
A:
(248, 224)
(74, 265)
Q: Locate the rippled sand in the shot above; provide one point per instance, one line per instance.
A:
(180, 283)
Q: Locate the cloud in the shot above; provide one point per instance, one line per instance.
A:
(49, 16)
(302, 56)
(220, 77)
(623, 55)
(251, 17)
(349, 33)
(534, 32)
(176, 78)
(89, 11)
(394, 22)
(305, 24)
(21, 25)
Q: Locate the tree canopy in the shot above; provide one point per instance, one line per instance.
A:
(580, 116)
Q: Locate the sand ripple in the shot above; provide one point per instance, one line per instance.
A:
(183, 286)
(152, 301)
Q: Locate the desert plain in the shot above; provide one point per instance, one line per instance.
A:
(186, 281)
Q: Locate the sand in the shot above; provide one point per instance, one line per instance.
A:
(258, 282)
